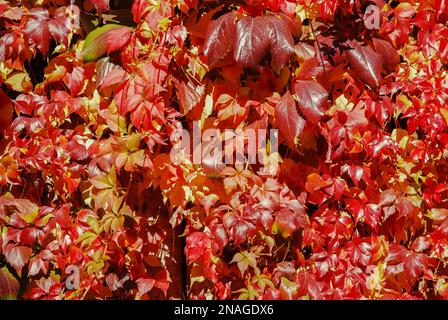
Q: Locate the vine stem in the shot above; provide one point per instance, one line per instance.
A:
(318, 46)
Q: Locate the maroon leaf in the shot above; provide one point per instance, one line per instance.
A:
(288, 120)
(255, 36)
(313, 68)
(163, 281)
(6, 110)
(366, 64)
(311, 97)
(220, 38)
(390, 56)
(294, 27)
(251, 41)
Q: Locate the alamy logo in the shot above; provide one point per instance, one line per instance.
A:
(372, 17)
(73, 278)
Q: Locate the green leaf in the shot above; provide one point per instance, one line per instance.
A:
(103, 40)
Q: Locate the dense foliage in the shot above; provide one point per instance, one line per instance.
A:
(93, 92)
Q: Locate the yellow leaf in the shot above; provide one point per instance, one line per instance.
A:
(56, 75)
(444, 112)
(20, 82)
(438, 214)
(245, 259)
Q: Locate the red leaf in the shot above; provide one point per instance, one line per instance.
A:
(356, 173)
(286, 222)
(396, 254)
(368, 213)
(189, 95)
(17, 256)
(197, 243)
(63, 22)
(138, 7)
(100, 5)
(366, 64)
(40, 27)
(304, 52)
(415, 264)
(108, 74)
(37, 265)
(75, 80)
(104, 40)
(163, 281)
(307, 285)
(421, 244)
(441, 8)
(219, 236)
(26, 209)
(288, 120)
(211, 162)
(37, 29)
(145, 285)
(311, 98)
(315, 182)
(76, 150)
(241, 230)
(356, 118)
(117, 38)
(220, 38)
